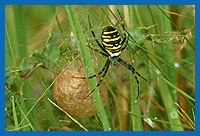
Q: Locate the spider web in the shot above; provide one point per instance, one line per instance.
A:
(45, 115)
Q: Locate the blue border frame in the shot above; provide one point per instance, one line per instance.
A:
(92, 2)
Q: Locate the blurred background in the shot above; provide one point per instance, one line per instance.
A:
(41, 40)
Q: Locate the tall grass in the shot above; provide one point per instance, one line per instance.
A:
(161, 48)
(86, 59)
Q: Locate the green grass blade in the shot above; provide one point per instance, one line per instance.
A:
(14, 112)
(152, 18)
(67, 115)
(176, 88)
(116, 105)
(46, 91)
(185, 116)
(168, 82)
(56, 17)
(15, 67)
(172, 114)
(29, 122)
(158, 120)
(21, 33)
(135, 104)
(22, 51)
(161, 9)
(87, 63)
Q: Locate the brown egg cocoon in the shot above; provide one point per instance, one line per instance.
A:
(69, 93)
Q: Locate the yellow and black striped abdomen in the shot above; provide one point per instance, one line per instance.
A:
(111, 41)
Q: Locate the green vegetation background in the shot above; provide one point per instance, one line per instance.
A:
(42, 39)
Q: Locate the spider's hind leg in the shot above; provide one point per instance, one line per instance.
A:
(135, 73)
(106, 66)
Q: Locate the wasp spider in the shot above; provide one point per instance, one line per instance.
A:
(112, 46)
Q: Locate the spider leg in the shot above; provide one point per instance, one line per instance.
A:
(102, 53)
(95, 36)
(124, 39)
(124, 32)
(127, 65)
(123, 62)
(99, 73)
(125, 44)
(106, 70)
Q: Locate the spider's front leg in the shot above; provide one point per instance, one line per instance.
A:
(125, 44)
(103, 49)
(99, 73)
(102, 53)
